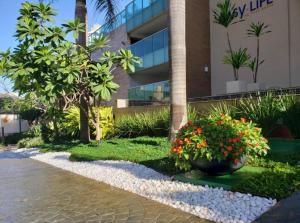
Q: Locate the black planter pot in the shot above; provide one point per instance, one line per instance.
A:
(215, 167)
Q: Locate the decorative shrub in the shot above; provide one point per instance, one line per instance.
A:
(71, 122)
(265, 110)
(30, 142)
(148, 123)
(218, 137)
(291, 119)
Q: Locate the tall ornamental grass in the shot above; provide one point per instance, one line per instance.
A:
(155, 123)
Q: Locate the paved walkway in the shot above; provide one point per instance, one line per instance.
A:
(286, 211)
(31, 191)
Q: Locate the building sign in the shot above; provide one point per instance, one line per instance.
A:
(252, 6)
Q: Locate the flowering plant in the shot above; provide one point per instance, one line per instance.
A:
(218, 137)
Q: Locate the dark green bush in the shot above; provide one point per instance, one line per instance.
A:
(291, 118)
(277, 184)
(14, 138)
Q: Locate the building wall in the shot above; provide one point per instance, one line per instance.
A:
(198, 48)
(118, 39)
(280, 48)
(295, 39)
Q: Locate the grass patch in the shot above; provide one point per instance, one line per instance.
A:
(277, 175)
(152, 152)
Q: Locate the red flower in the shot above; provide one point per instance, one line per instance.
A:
(229, 148)
(225, 153)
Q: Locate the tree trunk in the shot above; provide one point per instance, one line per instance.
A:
(178, 65)
(98, 127)
(81, 14)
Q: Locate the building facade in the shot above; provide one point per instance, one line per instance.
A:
(280, 49)
(143, 27)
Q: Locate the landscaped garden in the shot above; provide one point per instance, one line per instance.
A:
(272, 170)
(250, 146)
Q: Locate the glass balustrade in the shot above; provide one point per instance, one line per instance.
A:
(120, 19)
(153, 50)
(159, 91)
(141, 11)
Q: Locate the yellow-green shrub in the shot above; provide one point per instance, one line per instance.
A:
(71, 121)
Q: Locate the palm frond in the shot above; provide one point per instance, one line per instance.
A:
(109, 7)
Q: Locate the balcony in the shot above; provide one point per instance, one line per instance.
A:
(153, 50)
(120, 20)
(139, 12)
(152, 92)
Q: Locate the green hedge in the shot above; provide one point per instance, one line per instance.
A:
(147, 123)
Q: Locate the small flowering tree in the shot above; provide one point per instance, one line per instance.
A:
(218, 138)
(59, 72)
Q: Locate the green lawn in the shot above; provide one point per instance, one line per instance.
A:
(149, 151)
(277, 175)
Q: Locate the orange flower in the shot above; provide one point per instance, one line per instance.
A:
(247, 132)
(229, 148)
(202, 144)
(180, 142)
(241, 134)
(190, 122)
(243, 120)
(186, 140)
(199, 130)
(180, 150)
(220, 123)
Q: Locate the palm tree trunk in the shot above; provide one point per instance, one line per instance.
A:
(178, 65)
(231, 53)
(81, 14)
(257, 60)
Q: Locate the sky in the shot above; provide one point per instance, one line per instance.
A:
(65, 11)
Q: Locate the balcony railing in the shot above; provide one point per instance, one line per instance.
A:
(153, 50)
(120, 19)
(141, 11)
(152, 92)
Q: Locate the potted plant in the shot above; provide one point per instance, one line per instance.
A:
(218, 144)
(256, 30)
(236, 59)
(225, 15)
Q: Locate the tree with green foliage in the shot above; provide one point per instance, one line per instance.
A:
(257, 30)
(59, 71)
(237, 59)
(225, 15)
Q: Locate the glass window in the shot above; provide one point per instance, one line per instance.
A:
(138, 6)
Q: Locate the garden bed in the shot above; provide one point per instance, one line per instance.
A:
(277, 175)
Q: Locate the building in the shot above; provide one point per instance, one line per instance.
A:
(280, 49)
(143, 27)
